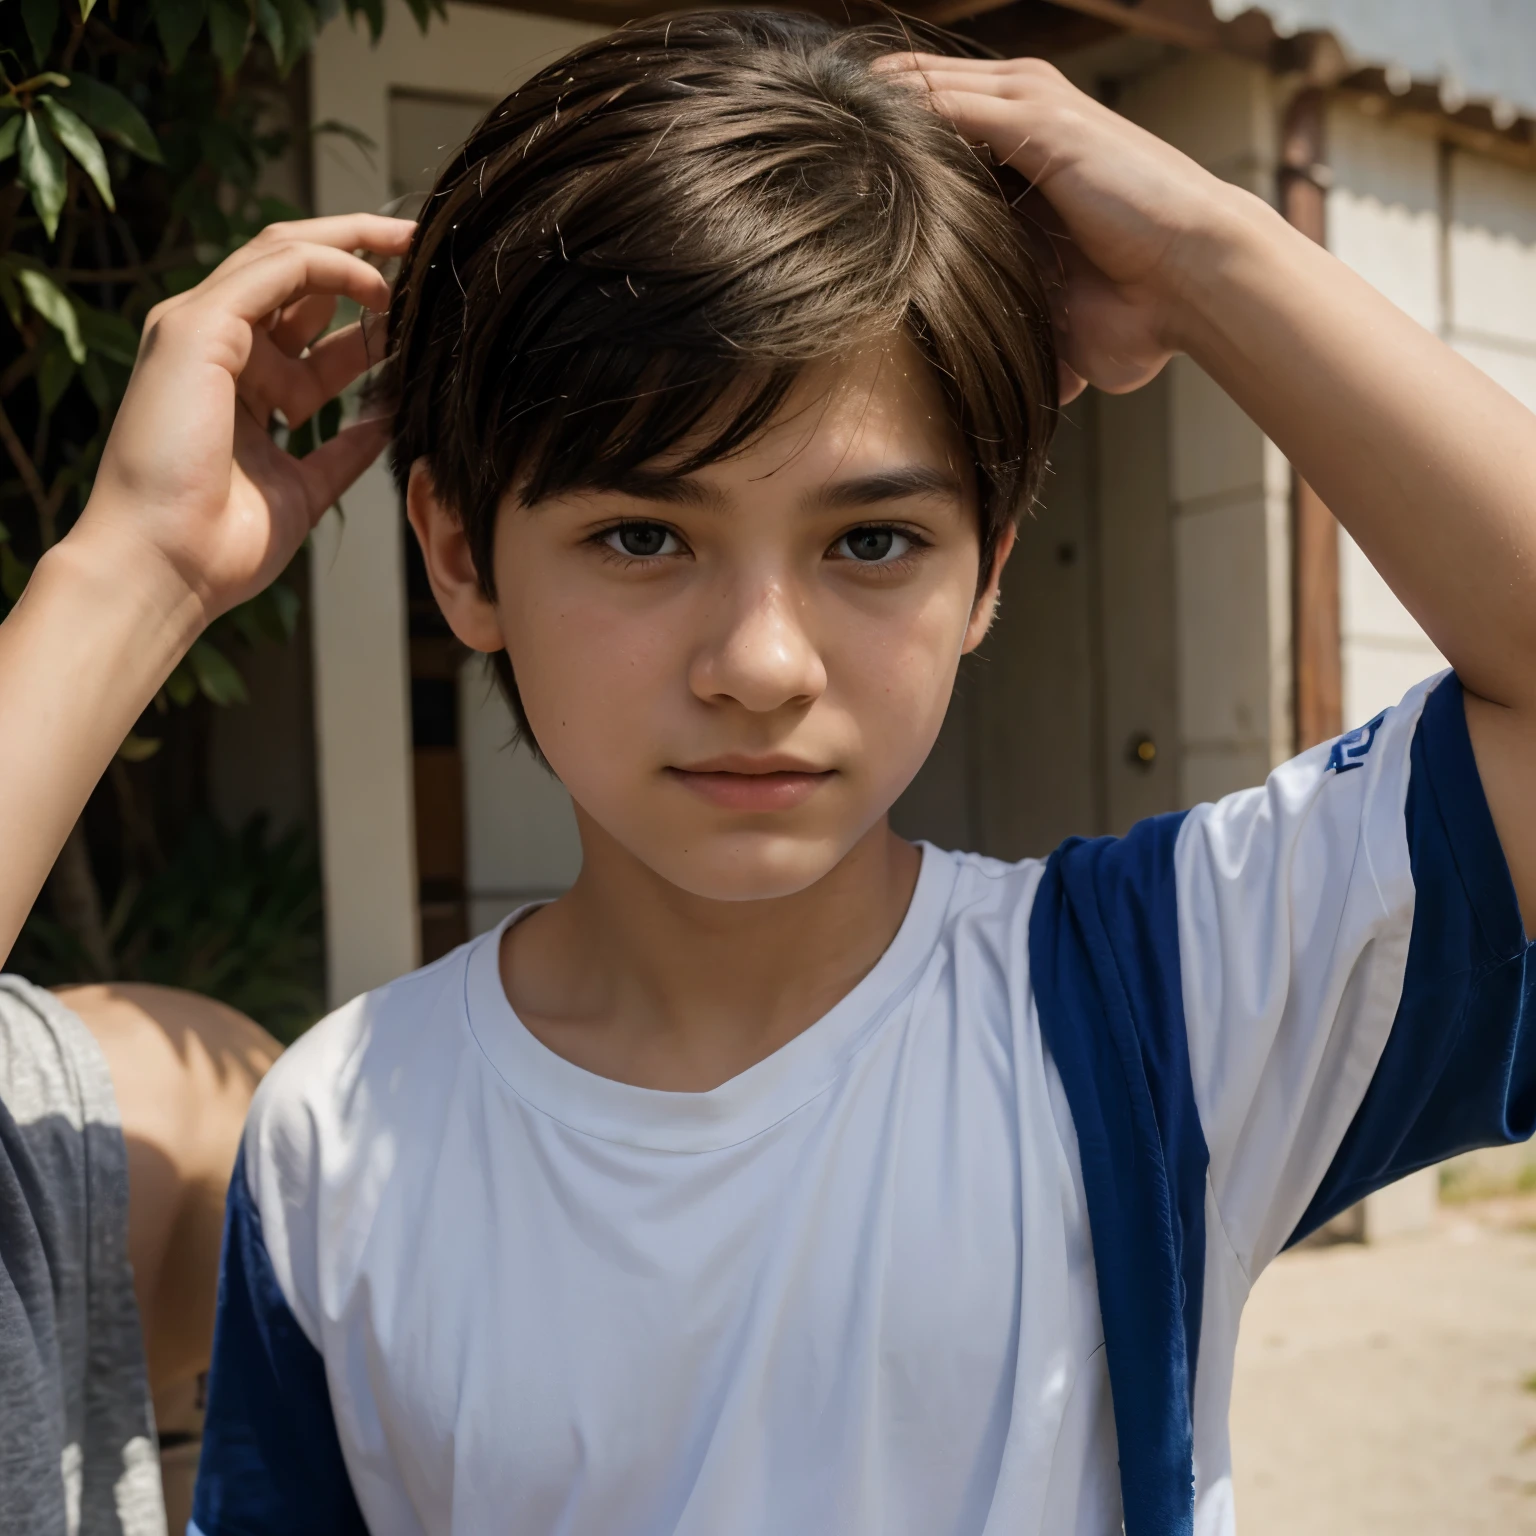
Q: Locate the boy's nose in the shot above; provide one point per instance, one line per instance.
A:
(761, 656)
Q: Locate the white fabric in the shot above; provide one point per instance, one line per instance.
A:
(851, 1291)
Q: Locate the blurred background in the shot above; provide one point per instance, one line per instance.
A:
(324, 794)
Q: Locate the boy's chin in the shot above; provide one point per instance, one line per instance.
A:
(747, 867)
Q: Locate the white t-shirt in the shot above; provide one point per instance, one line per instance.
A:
(852, 1290)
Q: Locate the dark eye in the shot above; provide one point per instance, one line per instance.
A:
(641, 541)
(873, 546)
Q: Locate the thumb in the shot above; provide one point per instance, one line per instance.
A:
(328, 470)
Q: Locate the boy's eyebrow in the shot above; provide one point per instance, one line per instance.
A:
(890, 485)
(674, 490)
(857, 491)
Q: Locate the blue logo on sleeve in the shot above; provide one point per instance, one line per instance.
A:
(1351, 750)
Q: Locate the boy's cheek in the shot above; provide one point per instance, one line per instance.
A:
(609, 700)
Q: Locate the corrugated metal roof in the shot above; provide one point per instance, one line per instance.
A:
(1474, 50)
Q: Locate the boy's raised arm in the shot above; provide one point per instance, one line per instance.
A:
(1428, 463)
(194, 509)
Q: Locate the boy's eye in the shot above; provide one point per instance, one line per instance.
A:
(641, 541)
(873, 546)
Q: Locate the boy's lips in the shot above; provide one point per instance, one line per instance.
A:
(738, 782)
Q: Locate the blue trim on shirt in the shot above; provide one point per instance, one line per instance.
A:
(1459, 1068)
(1104, 963)
(271, 1462)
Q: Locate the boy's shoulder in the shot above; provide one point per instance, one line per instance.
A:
(350, 1070)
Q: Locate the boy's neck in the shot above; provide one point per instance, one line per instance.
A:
(634, 979)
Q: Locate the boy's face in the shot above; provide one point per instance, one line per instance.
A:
(736, 673)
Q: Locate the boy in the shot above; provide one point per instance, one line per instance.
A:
(783, 1177)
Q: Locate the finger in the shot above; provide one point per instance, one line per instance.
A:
(375, 233)
(288, 272)
(898, 63)
(334, 465)
(298, 387)
(1006, 87)
(1001, 125)
(299, 324)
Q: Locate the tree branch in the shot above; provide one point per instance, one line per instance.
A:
(29, 475)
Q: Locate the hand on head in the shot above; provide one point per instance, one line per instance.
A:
(191, 477)
(1120, 212)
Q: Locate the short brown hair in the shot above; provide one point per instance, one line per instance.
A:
(643, 247)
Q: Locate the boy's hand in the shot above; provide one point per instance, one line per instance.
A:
(1132, 208)
(192, 487)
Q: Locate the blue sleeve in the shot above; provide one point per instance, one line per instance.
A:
(271, 1461)
(1104, 964)
(1459, 1067)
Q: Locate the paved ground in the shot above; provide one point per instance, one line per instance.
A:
(1392, 1389)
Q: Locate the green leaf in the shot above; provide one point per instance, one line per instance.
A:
(42, 172)
(41, 19)
(53, 375)
(108, 334)
(13, 573)
(10, 132)
(179, 22)
(373, 10)
(86, 7)
(181, 686)
(229, 31)
(353, 135)
(136, 749)
(82, 144)
(217, 679)
(52, 304)
(269, 22)
(94, 377)
(289, 28)
(10, 296)
(285, 603)
(111, 113)
(423, 11)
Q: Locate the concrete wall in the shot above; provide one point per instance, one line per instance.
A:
(1385, 221)
(1450, 237)
(1228, 486)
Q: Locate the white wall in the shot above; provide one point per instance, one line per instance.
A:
(1450, 237)
(1229, 487)
(361, 674)
(1384, 220)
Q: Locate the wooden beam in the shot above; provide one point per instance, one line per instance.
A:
(1177, 23)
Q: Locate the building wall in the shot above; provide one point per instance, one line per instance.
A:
(1450, 237)
(1385, 221)
(1228, 486)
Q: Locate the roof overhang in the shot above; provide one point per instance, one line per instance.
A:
(1471, 64)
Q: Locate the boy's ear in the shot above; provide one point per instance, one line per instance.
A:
(470, 613)
(984, 610)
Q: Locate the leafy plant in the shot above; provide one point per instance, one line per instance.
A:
(234, 915)
(137, 144)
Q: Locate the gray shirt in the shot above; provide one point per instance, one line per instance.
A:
(77, 1438)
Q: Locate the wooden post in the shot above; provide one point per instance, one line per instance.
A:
(1319, 678)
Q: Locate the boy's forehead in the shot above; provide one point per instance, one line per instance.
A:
(876, 410)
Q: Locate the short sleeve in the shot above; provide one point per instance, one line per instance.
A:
(1355, 976)
(271, 1462)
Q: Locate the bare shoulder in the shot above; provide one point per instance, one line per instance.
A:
(183, 1066)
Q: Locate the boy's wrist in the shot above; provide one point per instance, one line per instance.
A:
(1238, 235)
(127, 576)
